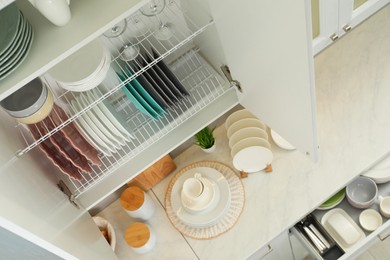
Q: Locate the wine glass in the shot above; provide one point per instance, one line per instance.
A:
(154, 8)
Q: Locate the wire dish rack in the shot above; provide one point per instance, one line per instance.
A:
(185, 30)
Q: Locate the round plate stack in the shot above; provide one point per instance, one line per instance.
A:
(84, 69)
(16, 37)
(248, 141)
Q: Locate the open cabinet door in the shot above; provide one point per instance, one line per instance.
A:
(267, 45)
(34, 208)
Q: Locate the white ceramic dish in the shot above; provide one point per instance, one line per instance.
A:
(212, 197)
(113, 116)
(243, 123)
(342, 228)
(281, 142)
(370, 220)
(110, 126)
(249, 142)
(110, 139)
(252, 159)
(81, 66)
(380, 173)
(246, 133)
(211, 217)
(236, 116)
(104, 225)
(92, 130)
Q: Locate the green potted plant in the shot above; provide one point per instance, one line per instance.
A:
(205, 139)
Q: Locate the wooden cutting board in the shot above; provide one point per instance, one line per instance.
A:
(154, 174)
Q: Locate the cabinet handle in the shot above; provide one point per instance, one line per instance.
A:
(334, 37)
(383, 238)
(270, 249)
(347, 28)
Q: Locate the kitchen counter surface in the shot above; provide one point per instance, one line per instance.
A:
(353, 103)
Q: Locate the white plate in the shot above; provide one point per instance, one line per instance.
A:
(246, 122)
(380, 173)
(248, 142)
(113, 116)
(81, 65)
(245, 133)
(281, 142)
(92, 129)
(252, 159)
(236, 116)
(112, 140)
(89, 134)
(342, 228)
(209, 218)
(99, 113)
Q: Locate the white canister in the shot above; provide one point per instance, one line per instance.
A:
(140, 237)
(137, 203)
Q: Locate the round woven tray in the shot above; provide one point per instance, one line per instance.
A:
(227, 221)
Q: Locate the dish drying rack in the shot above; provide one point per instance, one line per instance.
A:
(202, 82)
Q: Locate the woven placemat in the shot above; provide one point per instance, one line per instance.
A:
(227, 221)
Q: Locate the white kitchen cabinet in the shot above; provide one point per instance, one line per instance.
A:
(278, 248)
(276, 82)
(333, 18)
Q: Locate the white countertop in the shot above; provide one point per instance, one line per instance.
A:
(353, 100)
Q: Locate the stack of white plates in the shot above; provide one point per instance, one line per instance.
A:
(101, 126)
(16, 37)
(248, 141)
(84, 69)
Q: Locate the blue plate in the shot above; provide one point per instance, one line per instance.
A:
(137, 100)
(140, 89)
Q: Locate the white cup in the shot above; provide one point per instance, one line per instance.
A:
(56, 11)
(193, 190)
(384, 206)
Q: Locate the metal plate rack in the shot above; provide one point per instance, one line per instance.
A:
(185, 30)
(201, 81)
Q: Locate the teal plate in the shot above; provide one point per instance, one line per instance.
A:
(140, 89)
(9, 24)
(136, 99)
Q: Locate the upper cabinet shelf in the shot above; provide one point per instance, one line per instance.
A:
(51, 44)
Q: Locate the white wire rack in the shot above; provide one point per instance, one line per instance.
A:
(139, 31)
(204, 85)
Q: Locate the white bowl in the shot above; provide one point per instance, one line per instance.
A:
(104, 225)
(362, 192)
(370, 219)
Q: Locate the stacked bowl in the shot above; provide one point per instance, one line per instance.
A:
(16, 37)
(248, 141)
(84, 69)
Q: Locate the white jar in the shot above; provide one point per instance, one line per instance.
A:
(137, 203)
(140, 237)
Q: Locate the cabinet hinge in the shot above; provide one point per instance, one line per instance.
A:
(226, 71)
(62, 186)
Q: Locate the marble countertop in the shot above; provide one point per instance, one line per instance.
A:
(353, 103)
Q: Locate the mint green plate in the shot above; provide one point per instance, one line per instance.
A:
(145, 94)
(334, 200)
(9, 24)
(137, 100)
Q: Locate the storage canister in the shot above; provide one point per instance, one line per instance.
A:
(140, 237)
(137, 203)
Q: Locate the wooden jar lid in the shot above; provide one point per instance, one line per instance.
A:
(137, 234)
(132, 198)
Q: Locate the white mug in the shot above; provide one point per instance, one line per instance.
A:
(56, 11)
(384, 206)
(193, 190)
